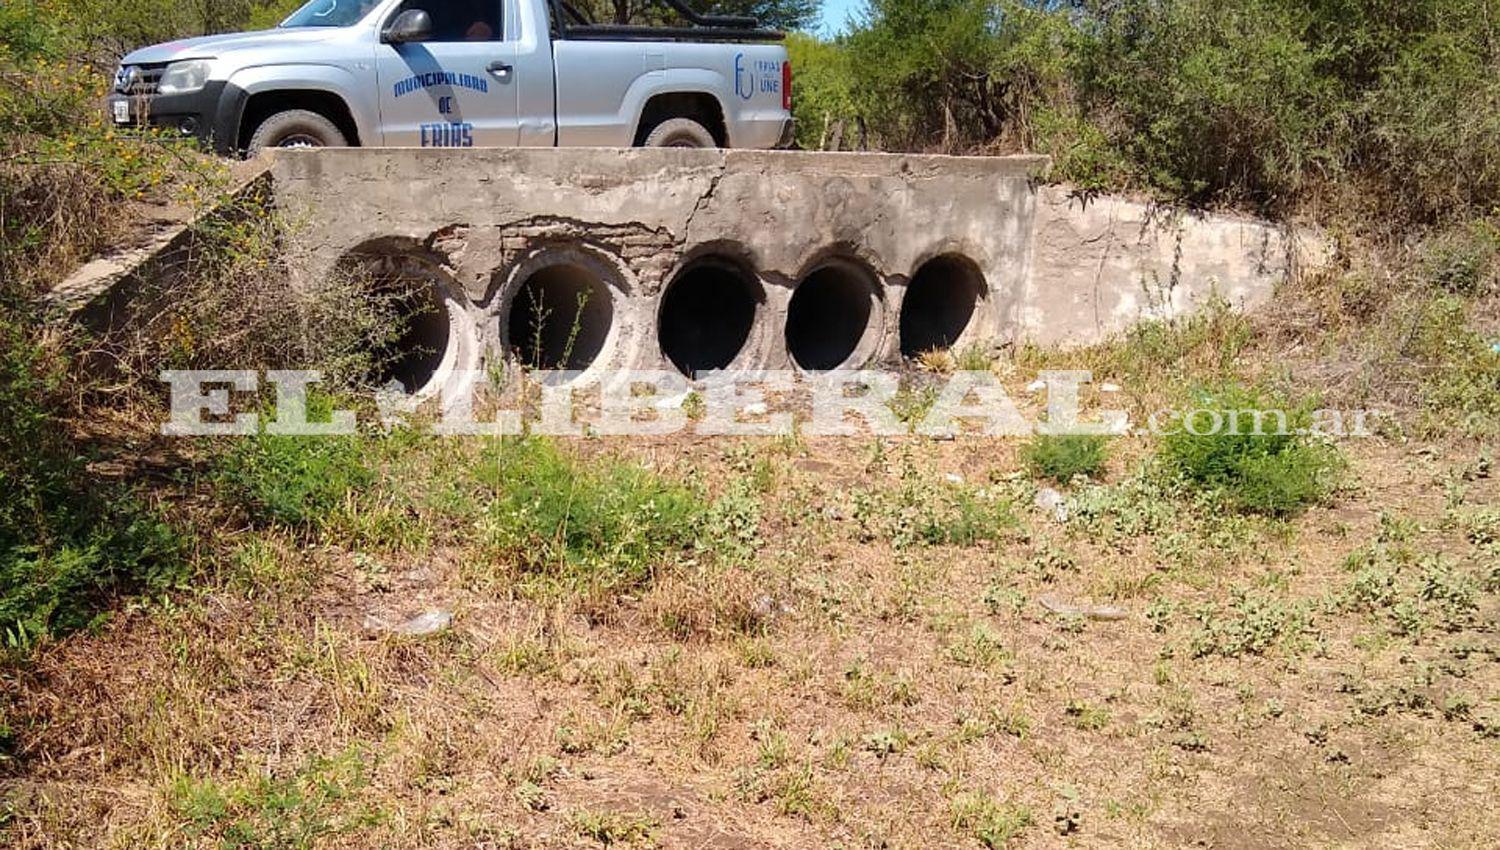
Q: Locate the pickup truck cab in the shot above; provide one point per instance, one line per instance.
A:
(464, 73)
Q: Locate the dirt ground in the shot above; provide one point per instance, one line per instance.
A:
(1329, 681)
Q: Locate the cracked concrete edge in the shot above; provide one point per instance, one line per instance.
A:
(88, 296)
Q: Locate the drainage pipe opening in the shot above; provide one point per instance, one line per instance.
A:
(560, 318)
(413, 343)
(828, 321)
(418, 355)
(707, 315)
(940, 304)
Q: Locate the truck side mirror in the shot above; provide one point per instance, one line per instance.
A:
(410, 26)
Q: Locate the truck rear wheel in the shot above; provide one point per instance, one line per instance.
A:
(680, 133)
(296, 128)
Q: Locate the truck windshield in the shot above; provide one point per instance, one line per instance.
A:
(330, 13)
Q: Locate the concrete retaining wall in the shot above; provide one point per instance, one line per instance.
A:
(817, 259)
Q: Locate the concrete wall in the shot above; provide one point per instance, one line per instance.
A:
(1054, 269)
(1100, 265)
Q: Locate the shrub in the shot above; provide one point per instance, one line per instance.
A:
(1458, 373)
(1259, 459)
(68, 544)
(294, 481)
(823, 101)
(235, 305)
(600, 525)
(922, 72)
(1061, 458)
(108, 545)
(1214, 101)
(922, 511)
(1464, 260)
(1263, 103)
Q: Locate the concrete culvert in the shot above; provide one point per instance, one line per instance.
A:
(828, 321)
(560, 318)
(939, 304)
(707, 315)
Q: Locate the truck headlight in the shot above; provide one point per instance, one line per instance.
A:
(184, 77)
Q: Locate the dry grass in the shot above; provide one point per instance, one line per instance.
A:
(835, 689)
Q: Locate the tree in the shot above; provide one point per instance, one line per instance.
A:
(775, 14)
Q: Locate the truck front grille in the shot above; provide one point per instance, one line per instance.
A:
(139, 79)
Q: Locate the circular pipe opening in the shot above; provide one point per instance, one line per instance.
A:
(939, 304)
(707, 315)
(412, 342)
(829, 316)
(417, 356)
(560, 318)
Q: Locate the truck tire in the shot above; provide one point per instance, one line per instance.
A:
(680, 133)
(296, 128)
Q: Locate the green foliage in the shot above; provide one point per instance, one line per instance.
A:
(992, 823)
(272, 813)
(823, 99)
(1061, 458)
(1459, 380)
(922, 511)
(293, 481)
(732, 525)
(105, 544)
(598, 525)
(1251, 625)
(776, 14)
(27, 31)
(1216, 99)
(1255, 102)
(1464, 260)
(912, 403)
(923, 69)
(1252, 449)
(1434, 108)
(610, 828)
(67, 544)
(266, 15)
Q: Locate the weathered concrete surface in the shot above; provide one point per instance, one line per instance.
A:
(486, 214)
(1055, 269)
(94, 296)
(1103, 264)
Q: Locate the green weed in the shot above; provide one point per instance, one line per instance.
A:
(68, 543)
(610, 828)
(295, 482)
(924, 511)
(1062, 458)
(603, 525)
(298, 812)
(1250, 449)
(992, 823)
(1251, 625)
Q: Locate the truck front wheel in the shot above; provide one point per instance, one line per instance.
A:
(296, 128)
(680, 133)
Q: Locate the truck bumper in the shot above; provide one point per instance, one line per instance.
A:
(211, 115)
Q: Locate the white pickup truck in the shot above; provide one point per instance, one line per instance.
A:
(465, 73)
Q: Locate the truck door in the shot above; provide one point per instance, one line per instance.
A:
(455, 90)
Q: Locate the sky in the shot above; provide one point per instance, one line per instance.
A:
(836, 15)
